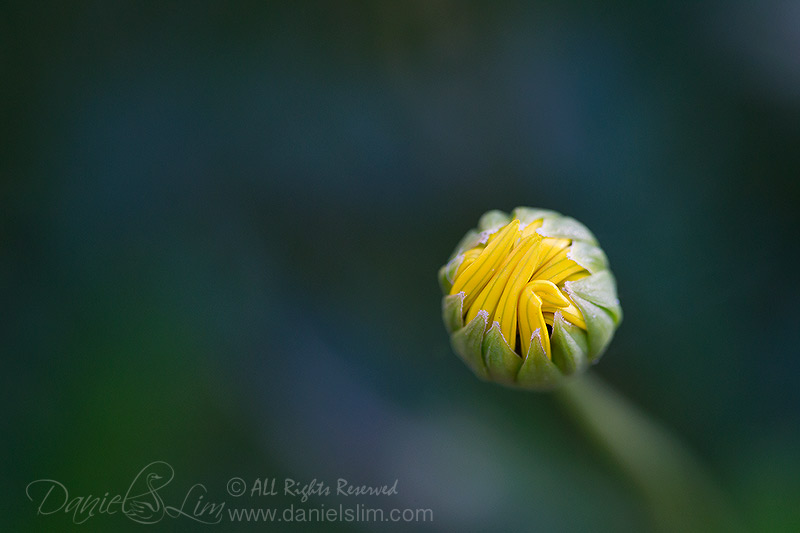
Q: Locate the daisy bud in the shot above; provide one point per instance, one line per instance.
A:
(529, 298)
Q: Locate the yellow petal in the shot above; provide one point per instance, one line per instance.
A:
(552, 247)
(490, 295)
(559, 271)
(477, 274)
(576, 276)
(531, 228)
(469, 257)
(506, 313)
(574, 315)
(531, 319)
(549, 293)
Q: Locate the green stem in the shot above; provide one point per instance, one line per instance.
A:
(676, 488)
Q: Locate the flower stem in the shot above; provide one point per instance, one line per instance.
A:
(674, 485)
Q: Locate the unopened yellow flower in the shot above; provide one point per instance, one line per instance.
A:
(529, 298)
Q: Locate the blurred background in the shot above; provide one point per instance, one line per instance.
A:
(221, 226)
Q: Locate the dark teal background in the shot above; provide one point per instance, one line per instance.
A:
(221, 226)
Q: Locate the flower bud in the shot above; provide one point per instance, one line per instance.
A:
(529, 299)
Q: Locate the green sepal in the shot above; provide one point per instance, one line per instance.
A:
(537, 372)
(599, 289)
(444, 283)
(569, 346)
(472, 239)
(526, 215)
(502, 363)
(452, 306)
(447, 273)
(467, 343)
(590, 257)
(599, 326)
(493, 220)
(566, 228)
